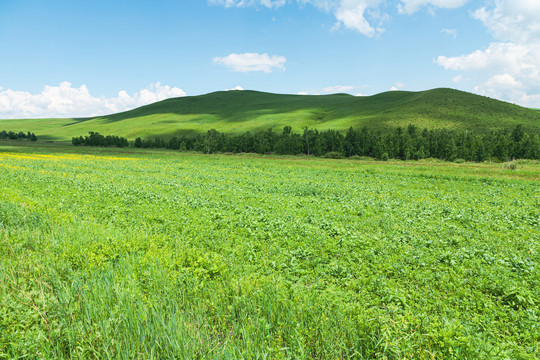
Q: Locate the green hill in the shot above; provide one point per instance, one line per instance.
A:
(239, 111)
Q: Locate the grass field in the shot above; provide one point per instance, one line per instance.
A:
(131, 254)
(240, 111)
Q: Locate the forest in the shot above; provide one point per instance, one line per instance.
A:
(410, 143)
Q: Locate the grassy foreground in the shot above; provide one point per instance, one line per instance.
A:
(154, 255)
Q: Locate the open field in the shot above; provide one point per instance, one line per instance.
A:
(128, 254)
(240, 111)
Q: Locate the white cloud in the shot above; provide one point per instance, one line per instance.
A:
(236, 88)
(359, 15)
(65, 100)
(397, 86)
(363, 16)
(252, 62)
(328, 90)
(512, 20)
(517, 58)
(244, 3)
(338, 89)
(500, 70)
(501, 86)
(529, 100)
(450, 32)
(412, 6)
(504, 81)
(508, 69)
(309, 92)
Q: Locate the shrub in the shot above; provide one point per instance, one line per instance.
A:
(333, 155)
(358, 157)
(510, 165)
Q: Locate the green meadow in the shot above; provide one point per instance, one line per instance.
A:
(139, 254)
(239, 111)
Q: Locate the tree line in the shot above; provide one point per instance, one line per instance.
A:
(410, 143)
(30, 136)
(96, 139)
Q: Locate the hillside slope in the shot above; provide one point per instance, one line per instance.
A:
(238, 111)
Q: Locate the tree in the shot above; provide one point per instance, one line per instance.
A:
(533, 147)
(351, 142)
(211, 141)
(283, 145)
(309, 140)
(421, 153)
(500, 150)
(518, 133)
(451, 150)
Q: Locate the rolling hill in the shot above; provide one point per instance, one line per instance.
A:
(239, 111)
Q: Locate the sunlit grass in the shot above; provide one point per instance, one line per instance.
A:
(240, 111)
(132, 254)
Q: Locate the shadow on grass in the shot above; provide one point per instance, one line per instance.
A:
(456, 109)
(238, 106)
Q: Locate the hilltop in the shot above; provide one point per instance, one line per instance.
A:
(239, 111)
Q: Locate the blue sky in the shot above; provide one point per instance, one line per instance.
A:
(78, 58)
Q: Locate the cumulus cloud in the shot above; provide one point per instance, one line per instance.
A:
(329, 90)
(363, 16)
(450, 32)
(397, 86)
(509, 68)
(529, 100)
(412, 6)
(236, 88)
(243, 3)
(512, 20)
(65, 100)
(517, 58)
(360, 15)
(504, 81)
(502, 86)
(248, 62)
(338, 89)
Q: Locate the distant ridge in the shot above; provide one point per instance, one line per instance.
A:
(247, 110)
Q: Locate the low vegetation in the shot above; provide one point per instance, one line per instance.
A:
(150, 254)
